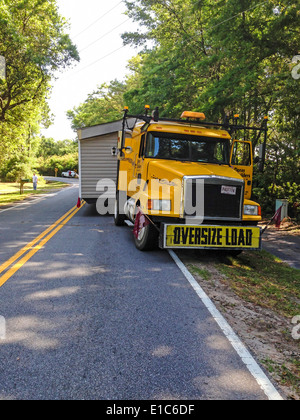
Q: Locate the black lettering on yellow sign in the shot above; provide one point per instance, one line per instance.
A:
(213, 236)
(241, 238)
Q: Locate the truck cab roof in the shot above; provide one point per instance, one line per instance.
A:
(180, 128)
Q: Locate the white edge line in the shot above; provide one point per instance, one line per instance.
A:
(256, 371)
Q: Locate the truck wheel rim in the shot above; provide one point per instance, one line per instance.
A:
(141, 233)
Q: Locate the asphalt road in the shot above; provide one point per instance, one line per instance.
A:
(284, 246)
(73, 181)
(90, 317)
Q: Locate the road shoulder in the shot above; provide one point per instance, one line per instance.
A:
(265, 332)
(284, 243)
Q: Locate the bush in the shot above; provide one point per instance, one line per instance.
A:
(268, 195)
(62, 163)
(15, 169)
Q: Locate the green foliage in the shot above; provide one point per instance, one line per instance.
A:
(34, 43)
(17, 169)
(63, 163)
(268, 194)
(219, 57)
(215, 57)
(103, 105)
(62, 155)
(49, 147)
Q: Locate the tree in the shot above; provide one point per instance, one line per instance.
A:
(219, 57)
(49, 147)
(103, 105)
(224, 57)
(35, 45)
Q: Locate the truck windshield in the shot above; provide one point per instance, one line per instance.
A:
(187, 148)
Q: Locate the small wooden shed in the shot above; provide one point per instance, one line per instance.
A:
(98, 157)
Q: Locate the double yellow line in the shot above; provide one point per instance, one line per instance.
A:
(34, 246)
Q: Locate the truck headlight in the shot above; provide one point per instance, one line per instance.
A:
(250, 210)
(159, 205)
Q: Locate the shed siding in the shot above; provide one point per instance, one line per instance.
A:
(97, 163)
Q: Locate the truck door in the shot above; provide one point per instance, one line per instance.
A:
(242, 161)
(139, 160)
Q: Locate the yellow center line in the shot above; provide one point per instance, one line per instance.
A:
(26, 248)
(57, 225)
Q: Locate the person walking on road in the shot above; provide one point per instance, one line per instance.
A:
(35, 181)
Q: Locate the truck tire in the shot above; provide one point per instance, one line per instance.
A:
(119, 219)
(147, 239)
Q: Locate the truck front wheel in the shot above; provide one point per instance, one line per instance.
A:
(147, 239)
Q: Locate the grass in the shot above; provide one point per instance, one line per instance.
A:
(263, 279)
(289, 375)
(10, 192)
(202, 272)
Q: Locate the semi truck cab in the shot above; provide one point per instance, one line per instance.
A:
(187, 183)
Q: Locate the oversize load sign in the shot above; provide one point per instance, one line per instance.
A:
(209, 237)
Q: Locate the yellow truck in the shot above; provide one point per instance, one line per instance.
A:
(187, 183)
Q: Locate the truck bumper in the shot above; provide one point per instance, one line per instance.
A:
(237, 238)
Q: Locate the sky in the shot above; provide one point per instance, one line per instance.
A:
(95, 27)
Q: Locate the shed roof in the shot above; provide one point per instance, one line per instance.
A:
(101, 129)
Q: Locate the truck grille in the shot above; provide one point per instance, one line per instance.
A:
(223, 197)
